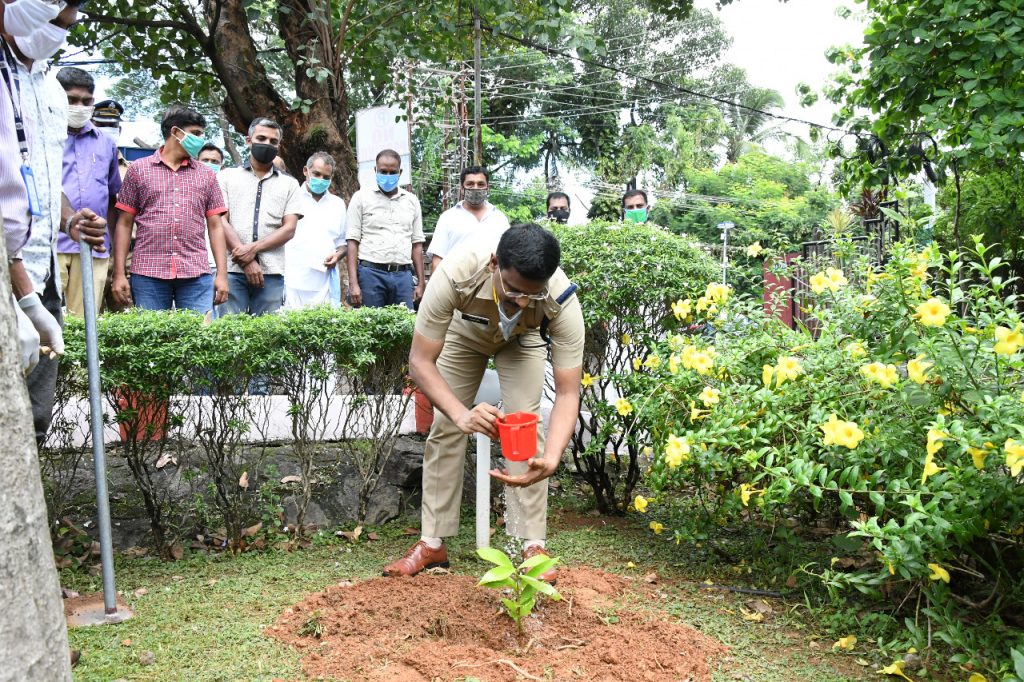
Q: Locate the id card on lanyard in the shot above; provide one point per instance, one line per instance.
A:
(9, 69)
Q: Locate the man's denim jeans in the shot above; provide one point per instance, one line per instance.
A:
(191, 293)
(381, 288)
(245, 298)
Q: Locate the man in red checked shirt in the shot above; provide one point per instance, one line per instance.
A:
(173, 201)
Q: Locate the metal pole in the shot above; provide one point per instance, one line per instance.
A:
(725, 227)
(96, 413)
(478, 144)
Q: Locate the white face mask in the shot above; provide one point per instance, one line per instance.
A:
(78, 115)
(113, 132)
(508, 322)
(43, 43)
(23, 17)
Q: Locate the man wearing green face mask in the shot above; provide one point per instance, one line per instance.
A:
(635, 208)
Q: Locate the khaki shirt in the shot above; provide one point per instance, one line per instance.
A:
(385, 227)
(460, 300)
(279, 197)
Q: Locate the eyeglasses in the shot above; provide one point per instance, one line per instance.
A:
(516, 295)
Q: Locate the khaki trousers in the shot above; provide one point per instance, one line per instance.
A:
(521, 372)
(70, 265)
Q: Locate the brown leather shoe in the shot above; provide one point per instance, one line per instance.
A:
(76, 656)
(419, 557)
(550, 577)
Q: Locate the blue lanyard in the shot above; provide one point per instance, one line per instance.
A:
(9, 68)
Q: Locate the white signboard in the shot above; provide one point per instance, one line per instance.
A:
(381, 128)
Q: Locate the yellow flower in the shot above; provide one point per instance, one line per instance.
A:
(978, 455)
(637, 364)
(767, 372)
(844, 433)
(846, 643)
(895, 668)
(935, 438)
(677, 451)
(682, 309)
(787, 369)
(917, 369)
(938, 573)
(718, 292)
(702, 362)
(882, 374)
(819, 282)
(930, 467)
(627, 339)
(709, 396)
(1014, 456)
(856, 349)
(588, 380)
(676, 342)
(673, 364)
(630, 564)
(1008, 341)
(836, 278)
(746, 490)
(695, 414)
(652, 362)
(656, 527)
(977, 677)
(932, 313)
(640, 503)
(755, 249)
(623, 407)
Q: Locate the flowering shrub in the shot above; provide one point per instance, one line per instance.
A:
(627, 275)
(899, 420)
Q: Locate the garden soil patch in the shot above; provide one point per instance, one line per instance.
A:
(444, 627)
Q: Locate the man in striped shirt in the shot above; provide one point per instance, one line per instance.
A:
(173, 201)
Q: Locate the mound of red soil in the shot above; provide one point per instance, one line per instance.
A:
(444, 627)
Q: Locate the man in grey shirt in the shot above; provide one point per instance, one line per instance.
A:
(264, 206)
(385, 240)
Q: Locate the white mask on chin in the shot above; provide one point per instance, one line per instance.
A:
(113, 132)
(43, 43)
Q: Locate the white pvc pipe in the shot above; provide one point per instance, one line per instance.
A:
(483, 491)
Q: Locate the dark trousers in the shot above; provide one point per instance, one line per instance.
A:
(381, 288)
(42, 381)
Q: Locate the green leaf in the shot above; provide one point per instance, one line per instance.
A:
(496, 557)
(542, 587)
(542, 567)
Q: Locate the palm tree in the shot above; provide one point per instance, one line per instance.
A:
(747, 123)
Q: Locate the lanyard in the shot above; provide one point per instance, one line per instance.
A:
(9, 68)
(259, 198)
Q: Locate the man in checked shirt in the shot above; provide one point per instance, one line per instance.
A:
(173, 200)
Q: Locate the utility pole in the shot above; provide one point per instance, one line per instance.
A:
(478, 142)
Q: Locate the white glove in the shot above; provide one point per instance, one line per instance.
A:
(51, 336)
(28, 340)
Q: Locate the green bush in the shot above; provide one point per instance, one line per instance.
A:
(627, 277)
(898, 423)
(161, 371)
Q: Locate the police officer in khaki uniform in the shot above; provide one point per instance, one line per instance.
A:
(511, 303)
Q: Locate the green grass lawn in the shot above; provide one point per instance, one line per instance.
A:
(203, 617)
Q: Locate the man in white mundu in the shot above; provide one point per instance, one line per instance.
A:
(319, 241)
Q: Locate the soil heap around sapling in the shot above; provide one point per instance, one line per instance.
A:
(444, 627)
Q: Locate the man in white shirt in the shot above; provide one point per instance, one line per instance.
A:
(311, 257)
(472, 217)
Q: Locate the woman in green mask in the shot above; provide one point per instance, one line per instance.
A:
(634, 206)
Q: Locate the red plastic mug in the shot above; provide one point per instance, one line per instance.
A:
(518, 434)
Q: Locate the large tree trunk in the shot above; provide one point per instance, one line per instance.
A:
(33, 635)
(251, 94)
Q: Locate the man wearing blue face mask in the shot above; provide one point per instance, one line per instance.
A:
(312, 256)
(385, 240)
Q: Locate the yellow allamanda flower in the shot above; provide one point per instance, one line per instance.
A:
(626, 339)
(673, 364)
(718, 292)
(709, 396)
(977, 677)
(701, 361)
(787, 368)
(767, 372)
(938, 573)
(652, 362)
(882, 374)
(677, 451)
(978, 455)
(588, 380)
(1008, 341)
(676, 342)
(755, 250)
(695, 414)
(845, 643)
(855, 349)
(705, 304)
(637, 364)
(930, 468)
(836, 278)
(935, 438)
(917, 369)
(746, 491)
(623, 407)
(1014, 456)
(895, 668)
(640, 503)
(682, 309)
(844, 433)
(656, 527)
(932, 313)
(819, 282)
